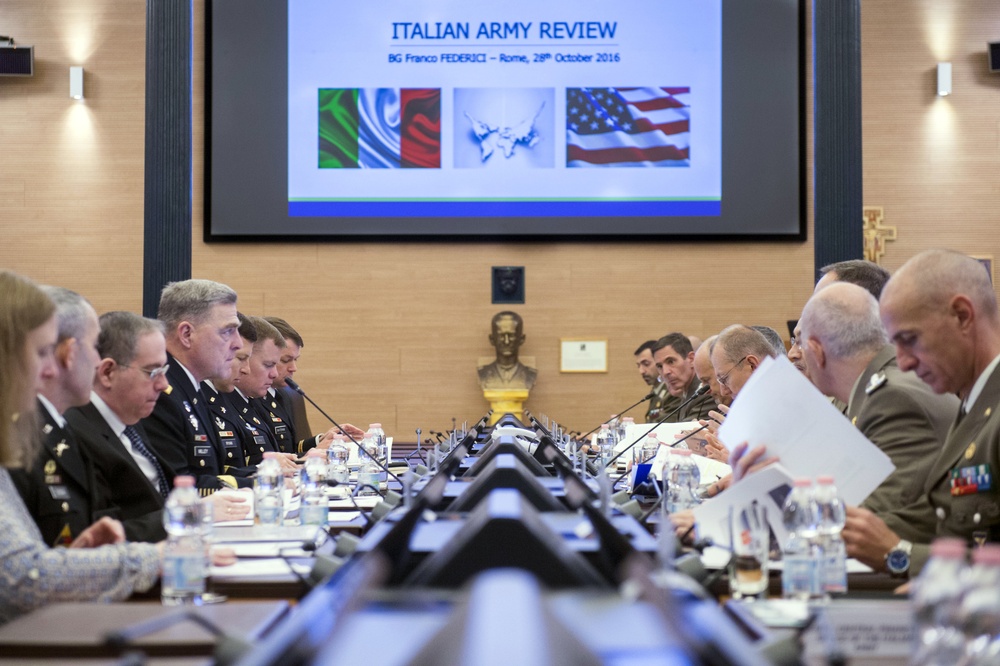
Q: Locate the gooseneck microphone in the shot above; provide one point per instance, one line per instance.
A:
(702, 390)
(298, 389)
(648, 396)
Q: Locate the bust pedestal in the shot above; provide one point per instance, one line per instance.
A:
(506, 401)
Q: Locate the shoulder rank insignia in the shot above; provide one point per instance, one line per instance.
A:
(877, 380)
(212, 400)
(169, 389)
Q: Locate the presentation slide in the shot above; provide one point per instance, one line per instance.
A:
(469, 108)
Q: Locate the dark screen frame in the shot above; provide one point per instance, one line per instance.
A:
(245, 187)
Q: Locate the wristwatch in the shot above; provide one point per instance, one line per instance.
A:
(897, 560)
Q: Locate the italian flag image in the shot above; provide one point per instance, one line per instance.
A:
(379, 128)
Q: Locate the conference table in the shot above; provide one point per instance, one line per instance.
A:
(272, 597)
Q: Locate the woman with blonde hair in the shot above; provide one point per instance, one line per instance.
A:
(99, 565)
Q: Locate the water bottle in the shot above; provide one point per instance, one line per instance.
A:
(683, 480)
(338, 455)
(269, 489)
(376, 449)
(623, 424)
(605, 444)
(184, 554)
(936, 599)
(832, 516)
(980, 610)
(800, 574)
(315, 508)
(646, 453)
(380, 439)
(369, 474)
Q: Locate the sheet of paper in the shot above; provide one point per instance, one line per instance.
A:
(272, 549)
(768, 487)
(247, 496)
(366, 502)
(252, 567)
(337, 517)
(780, 408)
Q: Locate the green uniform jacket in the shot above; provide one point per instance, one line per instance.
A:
(973, 441)
(904, 418)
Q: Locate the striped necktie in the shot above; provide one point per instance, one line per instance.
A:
(139, 447)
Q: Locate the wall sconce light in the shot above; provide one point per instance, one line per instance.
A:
(943, 79)
(76, 82)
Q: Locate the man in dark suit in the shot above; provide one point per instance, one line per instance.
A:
(199, 317)
(130, 478)
(240, 441)
(848, 357)
(58, 488)
(130, 377)
(940, 311)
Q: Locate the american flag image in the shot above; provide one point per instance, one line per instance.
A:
(630, 127)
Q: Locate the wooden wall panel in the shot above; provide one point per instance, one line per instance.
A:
(932, 162)
(393, 331)
(71, 172)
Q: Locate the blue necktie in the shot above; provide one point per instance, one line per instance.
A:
(140, 448)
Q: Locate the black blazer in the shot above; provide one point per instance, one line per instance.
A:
(120, 481)
(180, 432)
(57, 488)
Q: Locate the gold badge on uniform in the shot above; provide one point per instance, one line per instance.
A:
(989, 410)
(971, 451)
(854, 421)
(169, 389)
(50, 467)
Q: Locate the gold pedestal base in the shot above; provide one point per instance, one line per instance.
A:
(506, 401)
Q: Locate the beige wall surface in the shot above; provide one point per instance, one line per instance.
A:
(393, 331)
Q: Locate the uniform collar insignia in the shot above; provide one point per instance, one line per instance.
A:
(877, 380)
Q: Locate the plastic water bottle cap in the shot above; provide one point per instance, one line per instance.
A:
(183, 482)
(604, 425)
(988, 553)
(824, 480)
(948, 548)
(374, 426)
(802, 483)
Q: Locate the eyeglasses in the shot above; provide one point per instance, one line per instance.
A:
(152, 374)
(724, 379)
(794, 341)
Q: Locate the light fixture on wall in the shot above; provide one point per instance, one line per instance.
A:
(943, 79)
(76, 82)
